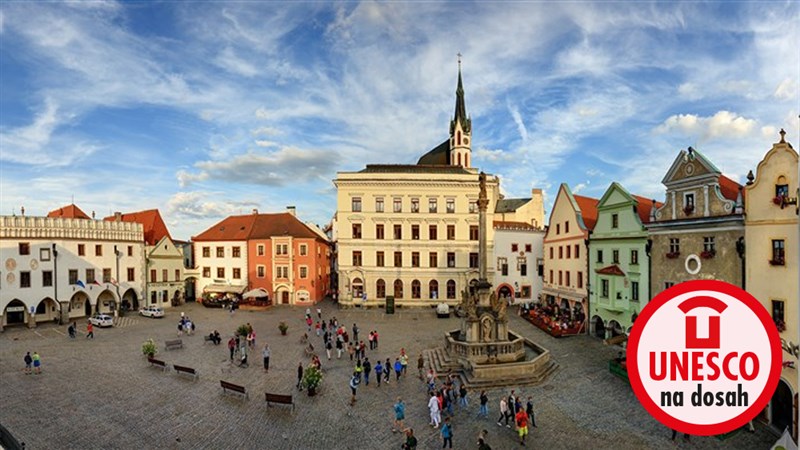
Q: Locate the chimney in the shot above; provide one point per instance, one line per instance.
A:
(537, 202)
(92, 215)
(255, 211)
(117, 216)
(291, 210)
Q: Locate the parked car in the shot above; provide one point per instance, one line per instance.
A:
(152, 311)
(442, 311)
(102, 320)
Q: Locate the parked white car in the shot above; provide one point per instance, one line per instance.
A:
(102, 320)
(152, 311)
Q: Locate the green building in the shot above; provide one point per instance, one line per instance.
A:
(618, 262)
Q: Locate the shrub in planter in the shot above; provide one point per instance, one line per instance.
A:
(242, 330)
(149, 348)
(283, 327)
(312, 378)
(707, 254)
(673, 255)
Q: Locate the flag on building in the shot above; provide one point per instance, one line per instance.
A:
(785, 442)
(97, 283)
(80, 283)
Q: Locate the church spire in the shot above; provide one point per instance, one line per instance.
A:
(461, 108)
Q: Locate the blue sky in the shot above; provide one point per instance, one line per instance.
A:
(205, 109)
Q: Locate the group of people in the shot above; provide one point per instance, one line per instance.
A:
(33, 363)
(185, 325)
(554, 316)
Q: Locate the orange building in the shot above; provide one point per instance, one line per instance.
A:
(283, 256)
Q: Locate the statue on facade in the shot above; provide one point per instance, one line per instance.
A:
(486, 326)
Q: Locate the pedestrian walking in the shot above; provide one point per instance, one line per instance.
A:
(370, 340)
(447, 434)
(411, 441)
(512, 403)
(484, 410)
(355, 333)
(504, 413)
(28, 363)
(362, 348)
(308, 313)
(339, 349)
(375, 338)
(299, 385)
(462, 394)
(421, 366)
(71, 331)
(433, 407)
(354, 381)
(367, 366)
(266, 353)
(398, 369)
(89, 331)
(399, 415)
(378, 372)
(37, 363)
(232, 346)
(431, 379)
(387, 371)
(359, 370)
(319, 313)
(404, 361)
(529, 412)
(309, 322)
(328, 348)
(522, 425)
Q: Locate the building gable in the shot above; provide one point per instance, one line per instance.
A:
(165, 248)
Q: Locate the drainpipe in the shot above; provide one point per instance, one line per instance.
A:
(588, 284)
(740, 249)
(648, 249)
(55, 287)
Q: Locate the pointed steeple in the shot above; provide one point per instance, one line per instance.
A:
(460, 114)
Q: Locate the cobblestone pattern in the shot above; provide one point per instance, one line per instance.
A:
(101, 393)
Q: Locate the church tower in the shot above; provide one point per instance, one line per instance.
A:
(460, 128)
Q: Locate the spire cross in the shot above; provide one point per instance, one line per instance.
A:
(459, 60)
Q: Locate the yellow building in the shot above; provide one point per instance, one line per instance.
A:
(411, 231)
(771, 238)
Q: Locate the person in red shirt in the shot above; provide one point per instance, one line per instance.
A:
(522, 425)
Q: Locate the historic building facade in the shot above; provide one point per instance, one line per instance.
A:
(566, 254)
(518, 254)
(276, 253)
(163, 259)
(699, 231)
(410, 232)
(619, 265)
(771, 238)
(67, 266)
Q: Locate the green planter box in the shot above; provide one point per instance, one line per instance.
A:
(617, 369)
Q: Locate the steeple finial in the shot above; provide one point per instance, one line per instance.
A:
(782, 132)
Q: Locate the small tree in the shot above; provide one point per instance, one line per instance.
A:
(312, 378)
(242, 330)
(283, 327)
(149, 348)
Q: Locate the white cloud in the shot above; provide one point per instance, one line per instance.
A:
(723, 124)
(199, 204)
(787, 90)
(493, 155)
(580, 187)
(266, 131)
(265, 143)
(228, 60)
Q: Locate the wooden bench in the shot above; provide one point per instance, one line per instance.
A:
(234, 388)
(176, 343)
(157, 363)
(186, 370)
(278, 398)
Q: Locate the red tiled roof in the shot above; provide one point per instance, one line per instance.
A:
(588, 208)
(154, 227)
(644, 207)
(68, 212)
(729, 188)
(280, 224)
(611, 270)
(257, 226)
(513, 225)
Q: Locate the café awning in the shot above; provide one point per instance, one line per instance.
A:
(256, 293)
(224, 288)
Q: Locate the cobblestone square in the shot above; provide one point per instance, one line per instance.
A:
(102, 393)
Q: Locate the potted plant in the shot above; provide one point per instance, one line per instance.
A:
(688, 209)
(777, 261)
(673, 255)
(312, 378)
(778, 200)
(149, 348)
(283, 327)
(780, 325)
(242, 330)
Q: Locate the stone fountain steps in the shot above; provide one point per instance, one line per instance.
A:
(532, 380)
(442, 364)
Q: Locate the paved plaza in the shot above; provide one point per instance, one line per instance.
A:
(101, 393)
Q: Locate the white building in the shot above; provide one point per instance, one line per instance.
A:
(519, 247)
(67, 266)
(163, 260)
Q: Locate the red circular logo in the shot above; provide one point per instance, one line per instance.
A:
(704, 357)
